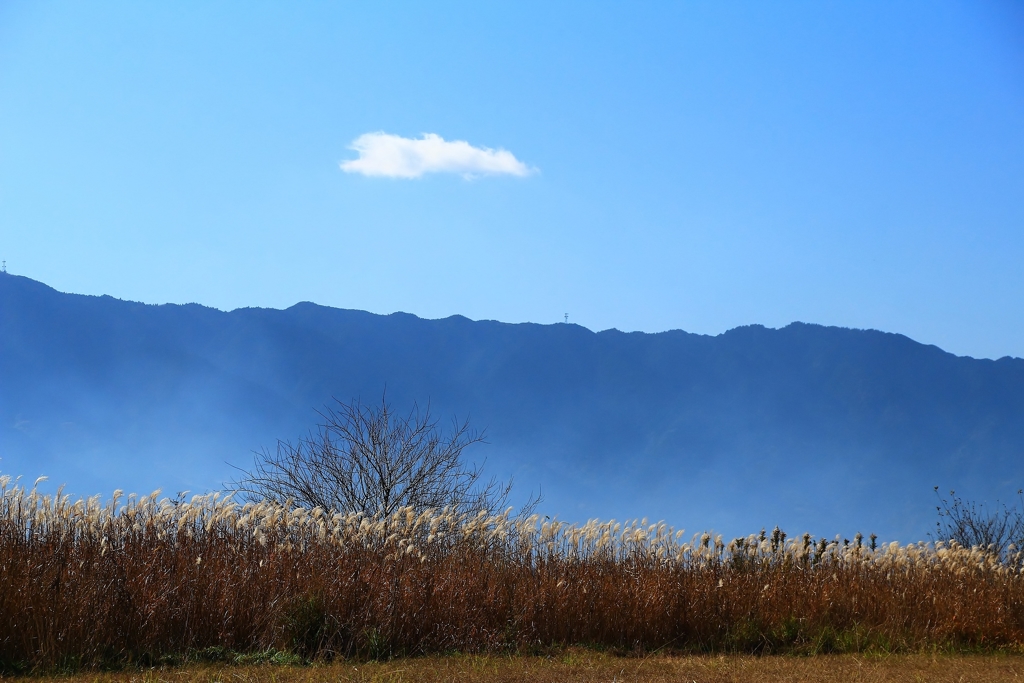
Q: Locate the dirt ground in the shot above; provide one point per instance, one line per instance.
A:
(579, 666)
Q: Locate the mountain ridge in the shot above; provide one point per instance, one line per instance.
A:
(728, 431)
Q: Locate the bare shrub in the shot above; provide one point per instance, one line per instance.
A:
(365, 458)
(971, 524)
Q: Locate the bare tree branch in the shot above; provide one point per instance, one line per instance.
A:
(970, 524)
(365, 458)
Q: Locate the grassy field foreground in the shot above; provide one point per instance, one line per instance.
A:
(588, 666)
(149, 582)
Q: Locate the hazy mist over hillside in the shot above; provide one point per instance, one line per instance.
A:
(819, 429)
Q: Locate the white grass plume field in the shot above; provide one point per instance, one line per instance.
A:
(145, 580)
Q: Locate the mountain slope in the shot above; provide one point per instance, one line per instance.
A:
(827, 430)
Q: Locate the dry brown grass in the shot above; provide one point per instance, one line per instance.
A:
(581, 666)
(87, 584)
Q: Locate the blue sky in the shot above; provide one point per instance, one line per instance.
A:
(690, 165)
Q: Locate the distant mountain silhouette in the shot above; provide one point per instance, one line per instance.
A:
(819, 429)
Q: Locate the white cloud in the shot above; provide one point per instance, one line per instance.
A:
(392, 156)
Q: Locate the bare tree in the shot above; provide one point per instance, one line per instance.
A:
(367, 459)
(970, 524)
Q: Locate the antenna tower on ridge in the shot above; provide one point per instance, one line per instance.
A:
(566, 315)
